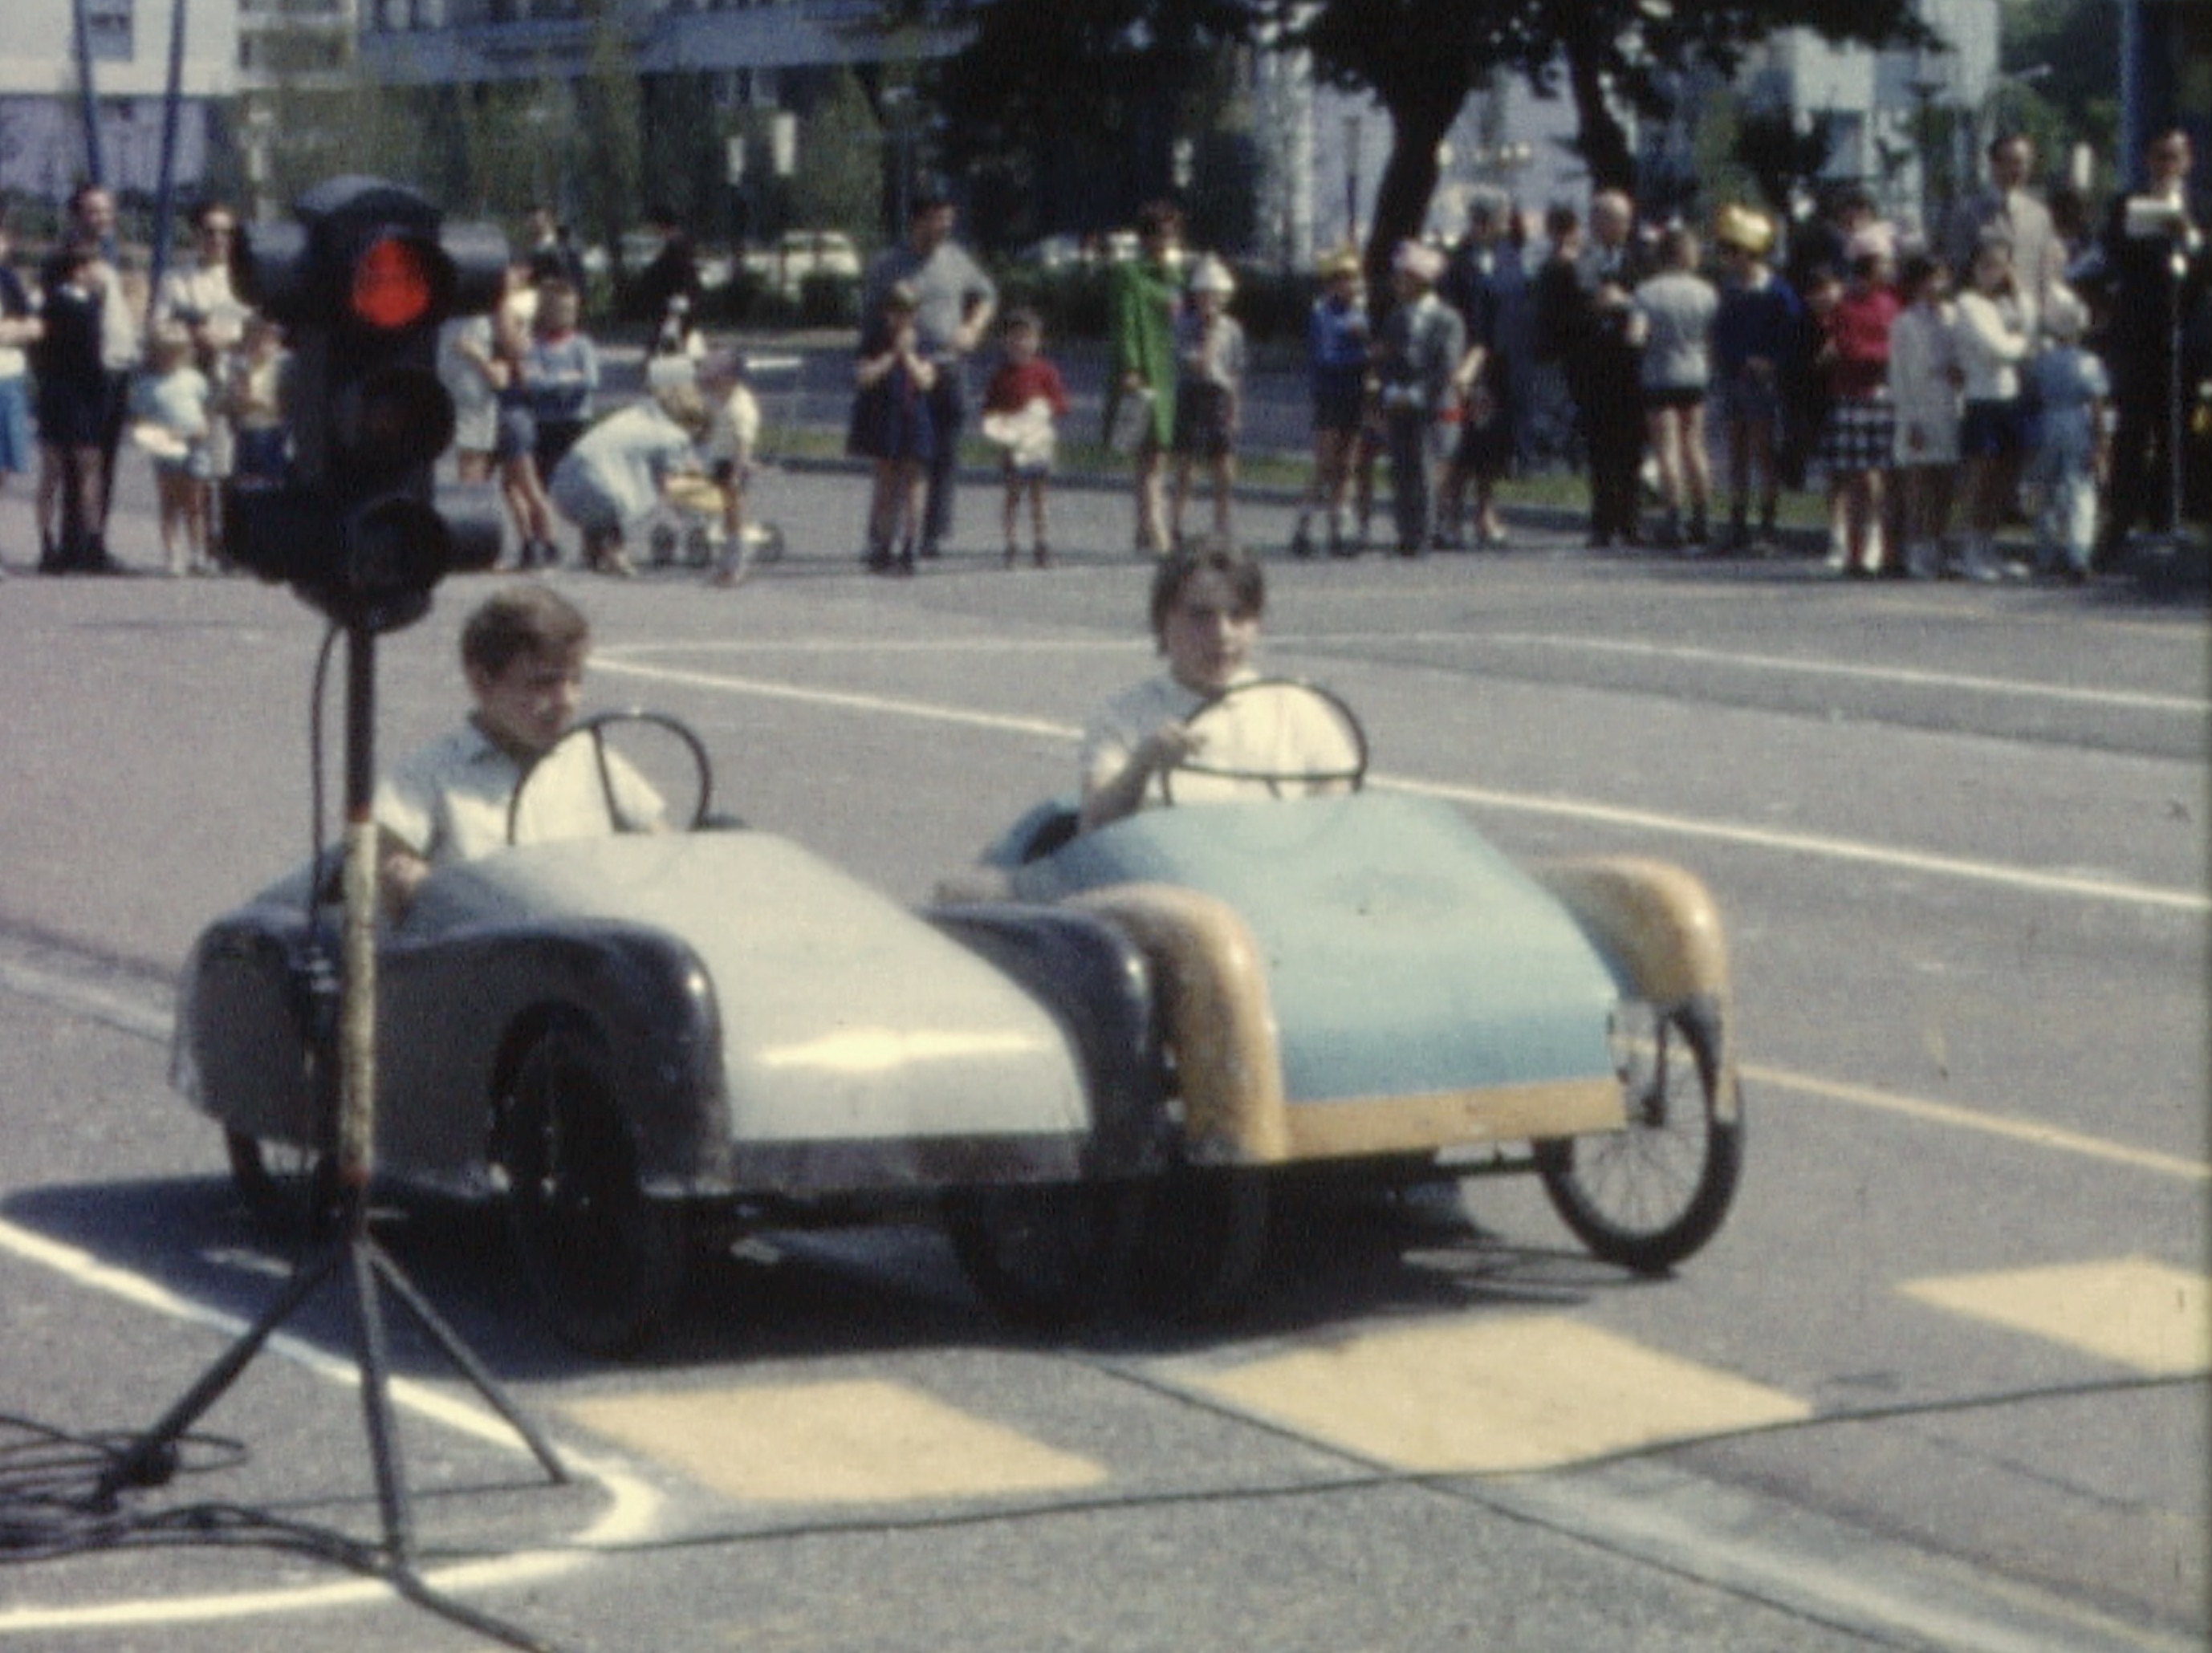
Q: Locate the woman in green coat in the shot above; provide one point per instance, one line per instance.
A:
(1147, 293)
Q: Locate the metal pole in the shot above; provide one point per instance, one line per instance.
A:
(165, 198)
(95, 168)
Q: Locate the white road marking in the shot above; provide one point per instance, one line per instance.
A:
(2080, 885)
(1775, 665)
(1788, 666)
(632, 1513)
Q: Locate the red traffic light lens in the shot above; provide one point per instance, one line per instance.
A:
(394, 285)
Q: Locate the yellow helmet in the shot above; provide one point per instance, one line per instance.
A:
(1739, 225)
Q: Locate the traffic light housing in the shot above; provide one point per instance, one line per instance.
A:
(361, 279)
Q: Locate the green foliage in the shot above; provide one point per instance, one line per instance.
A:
(612, 111)
(838, 183)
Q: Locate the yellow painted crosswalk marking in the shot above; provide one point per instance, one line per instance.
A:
(861, 1441)
(2134, 1311)
(1532, 1392)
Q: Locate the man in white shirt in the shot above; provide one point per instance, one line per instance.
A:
(2009, 208)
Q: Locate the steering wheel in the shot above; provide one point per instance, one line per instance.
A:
(608, 764)
(1282, 733)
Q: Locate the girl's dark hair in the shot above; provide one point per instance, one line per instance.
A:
(1913, 273)
(1246, 583)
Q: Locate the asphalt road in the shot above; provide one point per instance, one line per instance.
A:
(1940, 1383)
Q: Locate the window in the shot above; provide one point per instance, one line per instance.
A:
(109, 29)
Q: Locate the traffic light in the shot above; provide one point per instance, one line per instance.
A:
(361, 279)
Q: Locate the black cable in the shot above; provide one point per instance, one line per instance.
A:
(55, 1502)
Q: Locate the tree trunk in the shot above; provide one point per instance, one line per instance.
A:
(1599, 136)
(1407, 184)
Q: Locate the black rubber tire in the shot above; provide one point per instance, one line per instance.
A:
(1203, 1237)
(1650, 1195)
(605, 1262)
(1043, 1255)
(291, 1191)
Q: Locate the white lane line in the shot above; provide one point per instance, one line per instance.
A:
(1788, 666)
(2055, 1138)
(631, 1516)
(2082, 885)
(1781, 664)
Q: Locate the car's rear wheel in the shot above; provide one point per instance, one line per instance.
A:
(1650, 1194)
(605, 1262)
(291, 1191)
(1204, 1235)
(1044, 1255)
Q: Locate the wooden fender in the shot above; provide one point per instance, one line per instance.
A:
(1221, 1024)
(1660, 924)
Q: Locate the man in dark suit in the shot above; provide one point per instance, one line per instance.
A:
(2156, 278)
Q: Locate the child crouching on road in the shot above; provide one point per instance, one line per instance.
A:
(1025, 397)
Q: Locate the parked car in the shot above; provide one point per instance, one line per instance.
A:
(1098, 1057)
(796, 255)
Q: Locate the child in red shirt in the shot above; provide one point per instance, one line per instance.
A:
(1024, 399)
(1856, 448)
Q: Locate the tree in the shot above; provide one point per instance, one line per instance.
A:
(1079, 100)
(613, 108)
(1052, 66)
(1421, 57)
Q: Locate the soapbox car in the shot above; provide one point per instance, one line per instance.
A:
(1098, 1058)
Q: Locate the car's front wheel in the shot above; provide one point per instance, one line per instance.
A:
(1651, 1194)
(1204, 1236)
(1044, 1255)
(605, 1262)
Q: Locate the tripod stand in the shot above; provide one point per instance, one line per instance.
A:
(355, 1258)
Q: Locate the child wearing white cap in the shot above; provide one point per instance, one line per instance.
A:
(1209, 395)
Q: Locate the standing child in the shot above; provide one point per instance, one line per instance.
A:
(1674, 313)
(1209, 394)
(562, 374)
(2072, 446)
(255, 402)
(1862, 429)
(1416, 351)
(1993, 341)
(1754, 332)
(174, 402)
(1924, 386)
(891, 426)
(733, 427)
(1026, 395)
(1336, 364)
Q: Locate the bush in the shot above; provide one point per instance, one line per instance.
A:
(829, 301)
(1274, 304)
(1071, 301)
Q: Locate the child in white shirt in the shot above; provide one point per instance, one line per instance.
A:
(174, 406)
(1923, 387)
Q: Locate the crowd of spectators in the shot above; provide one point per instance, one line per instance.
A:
(2008, 368)
(1941, 386)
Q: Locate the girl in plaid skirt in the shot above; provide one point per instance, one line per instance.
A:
(1855, 447)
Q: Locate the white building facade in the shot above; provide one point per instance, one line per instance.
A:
(44, 147)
